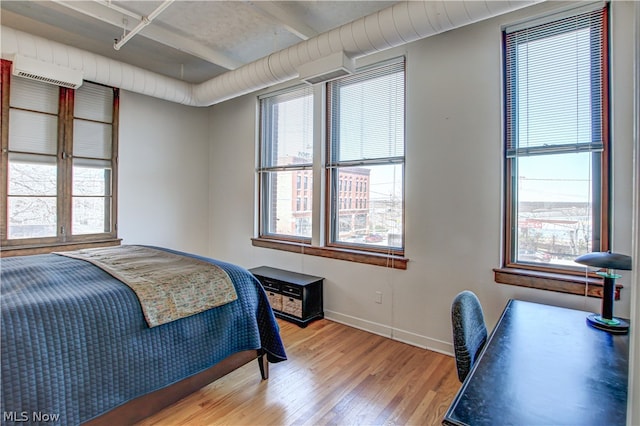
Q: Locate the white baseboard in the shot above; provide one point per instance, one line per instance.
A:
(393, 333)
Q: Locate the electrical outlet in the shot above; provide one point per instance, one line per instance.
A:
(378, 298)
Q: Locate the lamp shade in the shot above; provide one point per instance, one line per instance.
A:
(606, 259)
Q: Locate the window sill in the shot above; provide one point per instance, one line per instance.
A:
(552, 281)
(388, 261)
(48, 248)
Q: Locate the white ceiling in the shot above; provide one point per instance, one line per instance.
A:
(189, 40)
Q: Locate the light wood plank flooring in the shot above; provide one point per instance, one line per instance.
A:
(335, 375)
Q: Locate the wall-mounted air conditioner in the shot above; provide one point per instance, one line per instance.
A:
(326, 68)
(46, 72)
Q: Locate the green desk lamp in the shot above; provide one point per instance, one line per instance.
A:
(609, 261)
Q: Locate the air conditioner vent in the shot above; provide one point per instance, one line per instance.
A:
(326, 68)
(46, 72)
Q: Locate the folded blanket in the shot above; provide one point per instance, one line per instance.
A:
(169, 286)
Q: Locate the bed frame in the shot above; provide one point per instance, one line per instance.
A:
(144, 406)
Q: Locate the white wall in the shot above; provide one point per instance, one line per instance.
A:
(163, 174)
(633, 413)
(453, 189)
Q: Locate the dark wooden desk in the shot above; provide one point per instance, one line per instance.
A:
(543, 365)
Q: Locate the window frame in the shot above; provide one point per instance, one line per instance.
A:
(537, 275)
(318, 244)
(263, 170)
(64, 239)
(332, 168)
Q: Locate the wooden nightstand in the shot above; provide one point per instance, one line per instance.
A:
(293, 297)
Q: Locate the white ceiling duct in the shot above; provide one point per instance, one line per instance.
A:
(95, 68)
(394, 26)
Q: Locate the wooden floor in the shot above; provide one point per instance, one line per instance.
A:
(335, 375)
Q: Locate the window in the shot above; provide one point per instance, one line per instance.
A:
(366, 143)
(362, 190)
(557, 142)
(286, 151)
(59, 155)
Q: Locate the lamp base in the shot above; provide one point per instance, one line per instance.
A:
(613, 326)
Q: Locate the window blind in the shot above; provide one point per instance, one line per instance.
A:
(91, 139)
(33, 115)
(92, 124)
(367, 116)
(33, 95)
(555, 87)
(94, 102)
(33, 132)
(287, 130)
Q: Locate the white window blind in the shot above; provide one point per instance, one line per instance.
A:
(33, 114)
(91, 139)
(92, 124)
(33, 132)
(555, 89)
(94, 102)
(33, 95)
(367, 116)
(287, 129)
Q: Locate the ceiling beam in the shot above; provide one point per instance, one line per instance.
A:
(284, 17)
(115, 15)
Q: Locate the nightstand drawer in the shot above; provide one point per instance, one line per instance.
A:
(270, 284)
(292, 306)
(290, 290)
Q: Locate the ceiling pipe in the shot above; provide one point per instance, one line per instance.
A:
(399, 24)
(402, 23)
(96, 68)
(117, 16)
(146, 20)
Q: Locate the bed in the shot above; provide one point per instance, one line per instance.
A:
(76, 346)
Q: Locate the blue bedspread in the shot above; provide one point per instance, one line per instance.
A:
(75, 343)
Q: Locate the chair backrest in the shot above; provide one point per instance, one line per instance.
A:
(469, 331)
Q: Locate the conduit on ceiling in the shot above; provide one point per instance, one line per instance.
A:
(146, 20)
(394, 26)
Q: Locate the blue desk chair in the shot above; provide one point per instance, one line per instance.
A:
(469, 331)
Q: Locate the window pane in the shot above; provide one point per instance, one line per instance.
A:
(33, 95)
(91, 139)
(555, 86)
(368, 115)
(91, 197)
(287, 208)
(91, 178)
(31, 217)
(287, 129)
(91, 215)
(555, 102)
(32, 201)
(369, 202)
(33, 132)
(32, 175)
(94, 102)
(554, 208)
